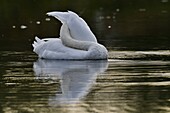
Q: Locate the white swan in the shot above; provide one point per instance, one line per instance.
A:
(76, 40)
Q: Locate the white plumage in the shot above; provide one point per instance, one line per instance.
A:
(79, 29)
(76, 40)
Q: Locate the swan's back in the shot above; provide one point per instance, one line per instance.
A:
(79, 29)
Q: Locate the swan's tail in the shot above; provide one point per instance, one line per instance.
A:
(37, 42)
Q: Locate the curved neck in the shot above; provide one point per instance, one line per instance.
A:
(94, 50)
(67, 40)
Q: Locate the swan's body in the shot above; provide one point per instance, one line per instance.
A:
(76, 42)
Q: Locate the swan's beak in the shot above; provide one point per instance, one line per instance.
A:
(62, 16)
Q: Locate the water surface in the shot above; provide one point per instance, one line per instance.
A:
(116, 85)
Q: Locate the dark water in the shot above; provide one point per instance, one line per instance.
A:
(50, 86)
(135, 79)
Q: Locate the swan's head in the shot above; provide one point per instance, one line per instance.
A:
(62, 16)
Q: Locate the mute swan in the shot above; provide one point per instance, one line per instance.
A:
(76, 42)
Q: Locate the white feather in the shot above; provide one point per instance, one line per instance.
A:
(79, 29)
(76, 40)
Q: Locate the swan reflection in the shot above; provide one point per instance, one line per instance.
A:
(76, 77)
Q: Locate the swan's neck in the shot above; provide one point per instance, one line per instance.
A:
(94, 50)
(67, 40)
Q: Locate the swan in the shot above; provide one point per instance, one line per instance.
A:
(76, 41)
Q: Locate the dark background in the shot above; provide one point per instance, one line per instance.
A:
(118, 24)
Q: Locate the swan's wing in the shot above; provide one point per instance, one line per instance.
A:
(62, 16)
(79, 29)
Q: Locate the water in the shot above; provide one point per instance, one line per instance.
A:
(135, 79)
(117, 85)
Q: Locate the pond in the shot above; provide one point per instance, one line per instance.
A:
(136, 77)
